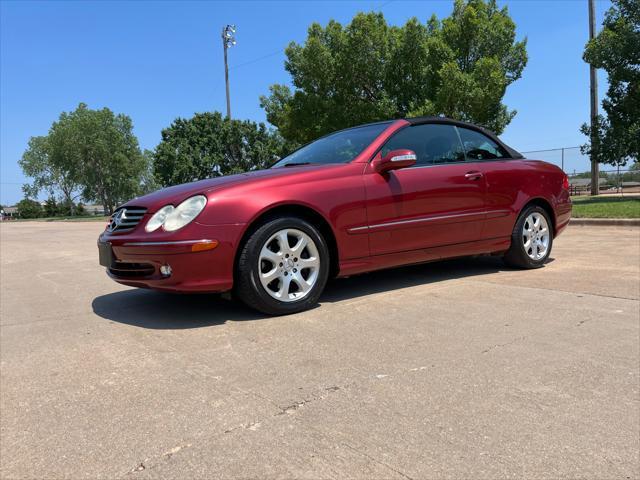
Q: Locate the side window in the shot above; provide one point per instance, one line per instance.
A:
(480, 147)
(432, 143)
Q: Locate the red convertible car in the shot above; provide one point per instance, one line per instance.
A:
(361, 199)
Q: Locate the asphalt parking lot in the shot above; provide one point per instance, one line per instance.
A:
(459, 369)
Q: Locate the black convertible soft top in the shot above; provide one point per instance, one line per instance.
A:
(450, 121)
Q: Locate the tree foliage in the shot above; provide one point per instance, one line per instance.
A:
(368, 71)
(148, 181)
(51, 207)
(54, 208)
(103, 147)
(51, 171)
(88, 153)
(28, 208)
(208, 145)
(616, 49)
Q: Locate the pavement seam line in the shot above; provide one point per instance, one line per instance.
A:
(554, 290)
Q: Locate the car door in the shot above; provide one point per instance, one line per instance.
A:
(503, 177)
(439, 201)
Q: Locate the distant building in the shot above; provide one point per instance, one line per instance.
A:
(9, 212)
(95, 210)
(585, 182)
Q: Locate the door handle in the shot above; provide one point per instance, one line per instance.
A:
(473, 175)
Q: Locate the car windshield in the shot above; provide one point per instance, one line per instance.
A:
(339, 147)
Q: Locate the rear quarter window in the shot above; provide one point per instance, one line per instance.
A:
(478, 146)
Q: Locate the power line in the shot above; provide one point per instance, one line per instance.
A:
(550, 149)
(249, 62)
(279, 51)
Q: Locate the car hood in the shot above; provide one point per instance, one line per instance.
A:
(177, 193)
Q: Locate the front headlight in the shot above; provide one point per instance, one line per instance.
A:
(184, 213)
(172, 218)
(158, 218)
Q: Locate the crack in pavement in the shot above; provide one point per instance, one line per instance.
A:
(253, 426)
(286, 410)
(517, 339)
(144, 465)
(389, 467)
(247, 426)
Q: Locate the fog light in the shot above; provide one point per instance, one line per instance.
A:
(165, 270)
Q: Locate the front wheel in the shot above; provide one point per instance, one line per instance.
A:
(531, 239)
(283, 267)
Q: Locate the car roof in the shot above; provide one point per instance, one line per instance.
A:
(447, 121)
(441, 120)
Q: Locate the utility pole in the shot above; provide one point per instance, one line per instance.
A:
(593, 86)
(228, 40)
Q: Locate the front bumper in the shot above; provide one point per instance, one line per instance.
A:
(203, 263)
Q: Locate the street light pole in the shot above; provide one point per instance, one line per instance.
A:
(593, 86)
(226, 80)
(228, 40)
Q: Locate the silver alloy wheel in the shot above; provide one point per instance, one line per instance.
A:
(535, 236)
(288, 265)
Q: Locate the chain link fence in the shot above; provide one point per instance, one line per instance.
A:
(578, 167)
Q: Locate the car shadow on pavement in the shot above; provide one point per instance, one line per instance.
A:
(409, 276)
(170, 311)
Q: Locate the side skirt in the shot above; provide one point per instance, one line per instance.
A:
(379, 262)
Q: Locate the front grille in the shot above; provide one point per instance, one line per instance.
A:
(125, 219)
(132, 270)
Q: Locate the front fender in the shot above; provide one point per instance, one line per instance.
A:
(336, 195)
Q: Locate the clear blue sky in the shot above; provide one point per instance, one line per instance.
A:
(155, 61)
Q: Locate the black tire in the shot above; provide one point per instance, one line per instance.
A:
(516, 256)
(248, 286)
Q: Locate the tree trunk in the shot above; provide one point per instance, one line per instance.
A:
(68, 200)
(106, 203)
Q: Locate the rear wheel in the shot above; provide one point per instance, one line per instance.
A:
(531, 240)
(283, 267)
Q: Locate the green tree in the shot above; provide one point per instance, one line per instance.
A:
(368, 71)
(93, 152)
(104, 146)
(50, 169)
(28, 208)
(208, 145)
(148, 182)
(80, 210)
(616, 49)
(51, 208)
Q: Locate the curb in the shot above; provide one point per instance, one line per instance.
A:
(606, 222)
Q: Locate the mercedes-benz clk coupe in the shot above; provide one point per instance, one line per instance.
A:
(366, 198)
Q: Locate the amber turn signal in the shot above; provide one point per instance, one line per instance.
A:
(203, 246)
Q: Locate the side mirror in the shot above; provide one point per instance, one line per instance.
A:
(394, 160)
